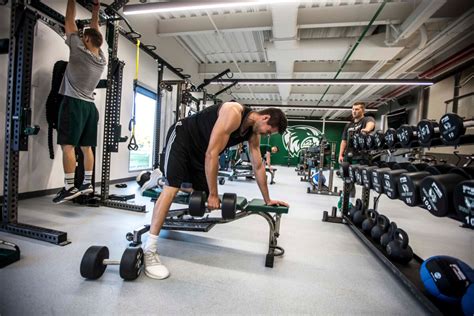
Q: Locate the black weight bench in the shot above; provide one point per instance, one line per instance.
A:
(180, 220)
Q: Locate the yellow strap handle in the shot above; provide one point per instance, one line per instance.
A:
(137, 59)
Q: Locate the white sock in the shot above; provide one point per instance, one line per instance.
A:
(151, 243)
(87, 177)
(68, 180)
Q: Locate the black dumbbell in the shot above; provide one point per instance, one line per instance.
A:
(96, 259)
(366, 178)
(388, 235)
(369, 141)
(379, 138)
(398, 248)
(198, 205)
(221, 180)
(381, 227)
(409, 183)
(390, 180)
(408, 187)
(352, 172)
(428, 133)
(452, 127)
(437, 191)
(407, 136)
(361, 139)
(391, 138)
(464, 202)
(358, 174)
(376, 179)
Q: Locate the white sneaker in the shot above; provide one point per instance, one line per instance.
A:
(155, 176)
(153, 266)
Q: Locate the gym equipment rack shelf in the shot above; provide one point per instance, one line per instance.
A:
(407, 275)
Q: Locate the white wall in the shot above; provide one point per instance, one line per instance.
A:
(43, 173)
(443, 91)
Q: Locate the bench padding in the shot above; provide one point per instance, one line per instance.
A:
(258, 205)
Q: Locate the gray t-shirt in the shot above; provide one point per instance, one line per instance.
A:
(83, 70)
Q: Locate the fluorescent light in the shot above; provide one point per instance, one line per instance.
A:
(362, 82)
(161, 7)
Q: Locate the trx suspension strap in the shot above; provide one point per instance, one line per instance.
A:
(132, 145)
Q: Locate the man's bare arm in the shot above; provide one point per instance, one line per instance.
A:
(70, 20)
(95, 16)
(258, 166)
(369, 127)
(227, 122)
(342, 149)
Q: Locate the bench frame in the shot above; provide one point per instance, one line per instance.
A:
(177, 220)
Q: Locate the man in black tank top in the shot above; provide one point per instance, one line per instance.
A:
(191, 154)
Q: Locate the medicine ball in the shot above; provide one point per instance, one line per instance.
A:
(143, 177)
(446, 278)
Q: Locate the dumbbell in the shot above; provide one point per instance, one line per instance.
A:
(391, 137)
(198, 205)
(358, 174)
(409, 183)
(428, 133)
(379, 138)
(355, 141)
(369, 141)
(390, 180)
(464, 202)
(366, 178)
(381, 226)
(96, 259)
(452, 127)
(407, 136)
(376, 179)
(437, 190)
(361, 139)
(352, 172)
(398, 249)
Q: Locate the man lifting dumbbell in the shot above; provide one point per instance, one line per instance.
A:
(191, 154)
(359, 124)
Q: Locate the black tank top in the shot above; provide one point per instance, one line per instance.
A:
(199, 127)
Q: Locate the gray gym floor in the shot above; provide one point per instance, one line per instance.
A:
(325, 270)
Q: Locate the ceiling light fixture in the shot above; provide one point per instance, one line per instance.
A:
(162, 7)
(362, 82)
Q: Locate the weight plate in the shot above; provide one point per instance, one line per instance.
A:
(451, 127)
(92, 263)
(229, 205)
(391, 137)
(197, 203)
(409, 187)
(131, 263)
(464, 202)
(426, 131)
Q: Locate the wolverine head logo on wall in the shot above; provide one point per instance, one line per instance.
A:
(298, 137)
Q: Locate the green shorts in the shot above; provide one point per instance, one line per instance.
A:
(77, 122)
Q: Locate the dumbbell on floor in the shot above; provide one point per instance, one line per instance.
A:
(96, 259)
(198, 205)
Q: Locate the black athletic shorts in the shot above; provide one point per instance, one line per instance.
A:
(179, 164)
(77, 122)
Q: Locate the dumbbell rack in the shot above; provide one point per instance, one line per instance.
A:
(407, 275)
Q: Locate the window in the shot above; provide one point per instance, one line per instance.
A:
(145, 111)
